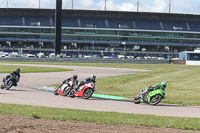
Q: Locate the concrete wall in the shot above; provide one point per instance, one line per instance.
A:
(91, 60)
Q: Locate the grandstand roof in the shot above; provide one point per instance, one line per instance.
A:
(100, 14)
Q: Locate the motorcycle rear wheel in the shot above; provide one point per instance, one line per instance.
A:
(71, 94)
(155, 99)
(137, 99)
(87, 93)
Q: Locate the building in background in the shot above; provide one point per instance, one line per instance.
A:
(99, 33)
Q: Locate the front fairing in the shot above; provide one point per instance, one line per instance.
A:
(64, 86)
(156, 92)
(89, 85)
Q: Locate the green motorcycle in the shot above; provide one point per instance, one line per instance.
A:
(152, 98)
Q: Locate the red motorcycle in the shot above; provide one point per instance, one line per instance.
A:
(84, 91)
(65, 88)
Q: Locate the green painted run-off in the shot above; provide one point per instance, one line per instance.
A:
(109, 97)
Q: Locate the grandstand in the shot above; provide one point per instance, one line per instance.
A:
(103, 33)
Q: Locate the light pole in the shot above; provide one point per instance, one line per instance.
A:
(39, 4)
(105, 6)
(138, 5)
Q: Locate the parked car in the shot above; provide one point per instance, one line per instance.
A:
(14, 54)
(41, 55)
(30, 56)
(52, 55)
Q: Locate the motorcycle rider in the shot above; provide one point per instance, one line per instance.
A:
(73, 78)
(15, 74)
(90, 79)
(162, 86)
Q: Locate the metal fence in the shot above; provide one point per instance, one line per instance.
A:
(87, 60)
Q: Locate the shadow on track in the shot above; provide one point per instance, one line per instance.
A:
(175, 105)
(16, 90)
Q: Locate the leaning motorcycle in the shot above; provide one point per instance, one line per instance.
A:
(9, 82)
(65, 88)
(152, 98)
(84, 91)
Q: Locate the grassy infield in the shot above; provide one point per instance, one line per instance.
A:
(183, 88)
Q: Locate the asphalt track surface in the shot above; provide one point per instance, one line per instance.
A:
(27, 93)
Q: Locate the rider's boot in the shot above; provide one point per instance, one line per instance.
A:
(76, 89)
(15, 84)
(143, 93)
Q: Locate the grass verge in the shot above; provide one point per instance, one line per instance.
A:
(29, 69)
(183, 82)
(101, 117)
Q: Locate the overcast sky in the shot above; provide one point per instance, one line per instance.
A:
(177, 6)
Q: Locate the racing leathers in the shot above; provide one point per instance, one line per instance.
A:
(15, 75)
(86, 81)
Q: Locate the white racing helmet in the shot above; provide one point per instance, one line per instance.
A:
(93, 77)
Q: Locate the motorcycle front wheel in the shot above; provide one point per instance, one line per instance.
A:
(2, 86)
(8, 84)
(155, 99)
(55, 92)
(66, 91)
(87, 93)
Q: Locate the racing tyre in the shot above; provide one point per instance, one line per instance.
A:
(2, 87)
(137, 99)
(8, 84)
(155, 100)
(87, 93)
(55, 93)
(66, 91)
(71, 93)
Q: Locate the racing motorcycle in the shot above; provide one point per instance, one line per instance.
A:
(152, 98)
(84, 91)
(9, 82)
(64, 88)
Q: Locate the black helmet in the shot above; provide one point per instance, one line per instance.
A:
(17, 70)
(75, 76)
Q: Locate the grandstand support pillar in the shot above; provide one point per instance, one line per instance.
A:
(58, 15)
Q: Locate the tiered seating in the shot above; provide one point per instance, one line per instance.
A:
(120, 23)
(194, 26)
(174, 25)
(148, 24)
(101, 23)
(93, 22)
(69, 22)
(37, 21)
(10, 20)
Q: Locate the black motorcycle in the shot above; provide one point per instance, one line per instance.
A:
(9, 82)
